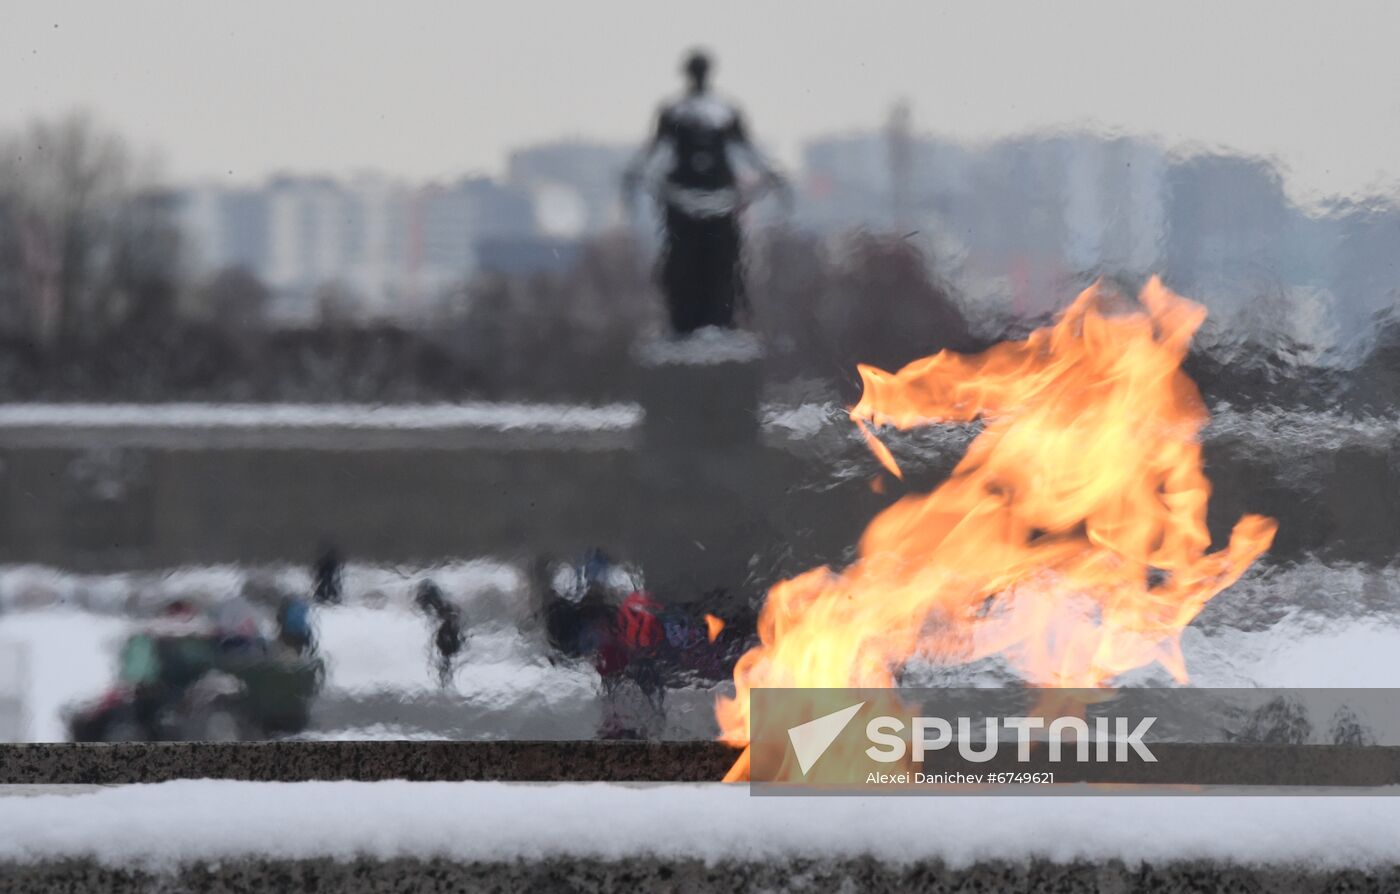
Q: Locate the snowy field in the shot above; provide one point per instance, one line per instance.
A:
(380, 679)
(1311, 625)
(163, 825)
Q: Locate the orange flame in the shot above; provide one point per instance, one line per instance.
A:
(1071, 538)
(713, 626)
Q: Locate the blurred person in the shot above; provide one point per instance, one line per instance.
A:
(449, 637)
(329, 574)
(640, 633)
(631, 671)
(578, 604)
(294, 629)
(701, 136)
(691, 654)
(178, 609)
(236, 625)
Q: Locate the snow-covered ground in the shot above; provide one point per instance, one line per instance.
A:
(69, 655)
(138, 594)
(1310, 625)
(68, 628)
(380, 678)
(162, 825)
(380, 683)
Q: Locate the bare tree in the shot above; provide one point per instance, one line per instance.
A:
(88, 241)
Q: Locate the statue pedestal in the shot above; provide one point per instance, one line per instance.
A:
(701, 473)
(700, 392)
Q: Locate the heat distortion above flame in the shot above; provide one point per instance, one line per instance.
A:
(1070, 539)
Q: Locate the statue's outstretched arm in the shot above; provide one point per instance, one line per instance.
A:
(770, 178)
(632, 175)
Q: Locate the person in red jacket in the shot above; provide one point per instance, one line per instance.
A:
(632, 656)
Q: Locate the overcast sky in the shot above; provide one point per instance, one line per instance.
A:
(435, 89)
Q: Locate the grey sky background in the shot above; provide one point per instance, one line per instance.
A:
(237, 90)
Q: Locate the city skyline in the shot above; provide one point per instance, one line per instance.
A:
(1011, 223)
(432, 91)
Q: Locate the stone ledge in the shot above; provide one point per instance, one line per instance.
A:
(1229, 765)
(283, 761)
(369, 876)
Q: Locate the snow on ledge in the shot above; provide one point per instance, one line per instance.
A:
(420, 417)
(175, 822)
(705, 347)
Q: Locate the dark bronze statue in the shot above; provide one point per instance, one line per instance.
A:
(701, 137)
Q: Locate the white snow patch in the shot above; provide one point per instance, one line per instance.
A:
(1346, 654)
(481, 586)
(182, 821)
(705, 346)
(420, 417)
(375, 732)
(71, 656)
(390, 649)
(803, 420)
(367, 648)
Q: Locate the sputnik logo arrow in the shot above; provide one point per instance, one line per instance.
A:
(810, 740)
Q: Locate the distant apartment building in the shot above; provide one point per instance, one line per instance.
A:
(381, 247)
(387, 248)
(1021, 221)
(574, 186)
(225, 227)
(1013, 217)
(1017, 220)
(375, 212)
(308, 223)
